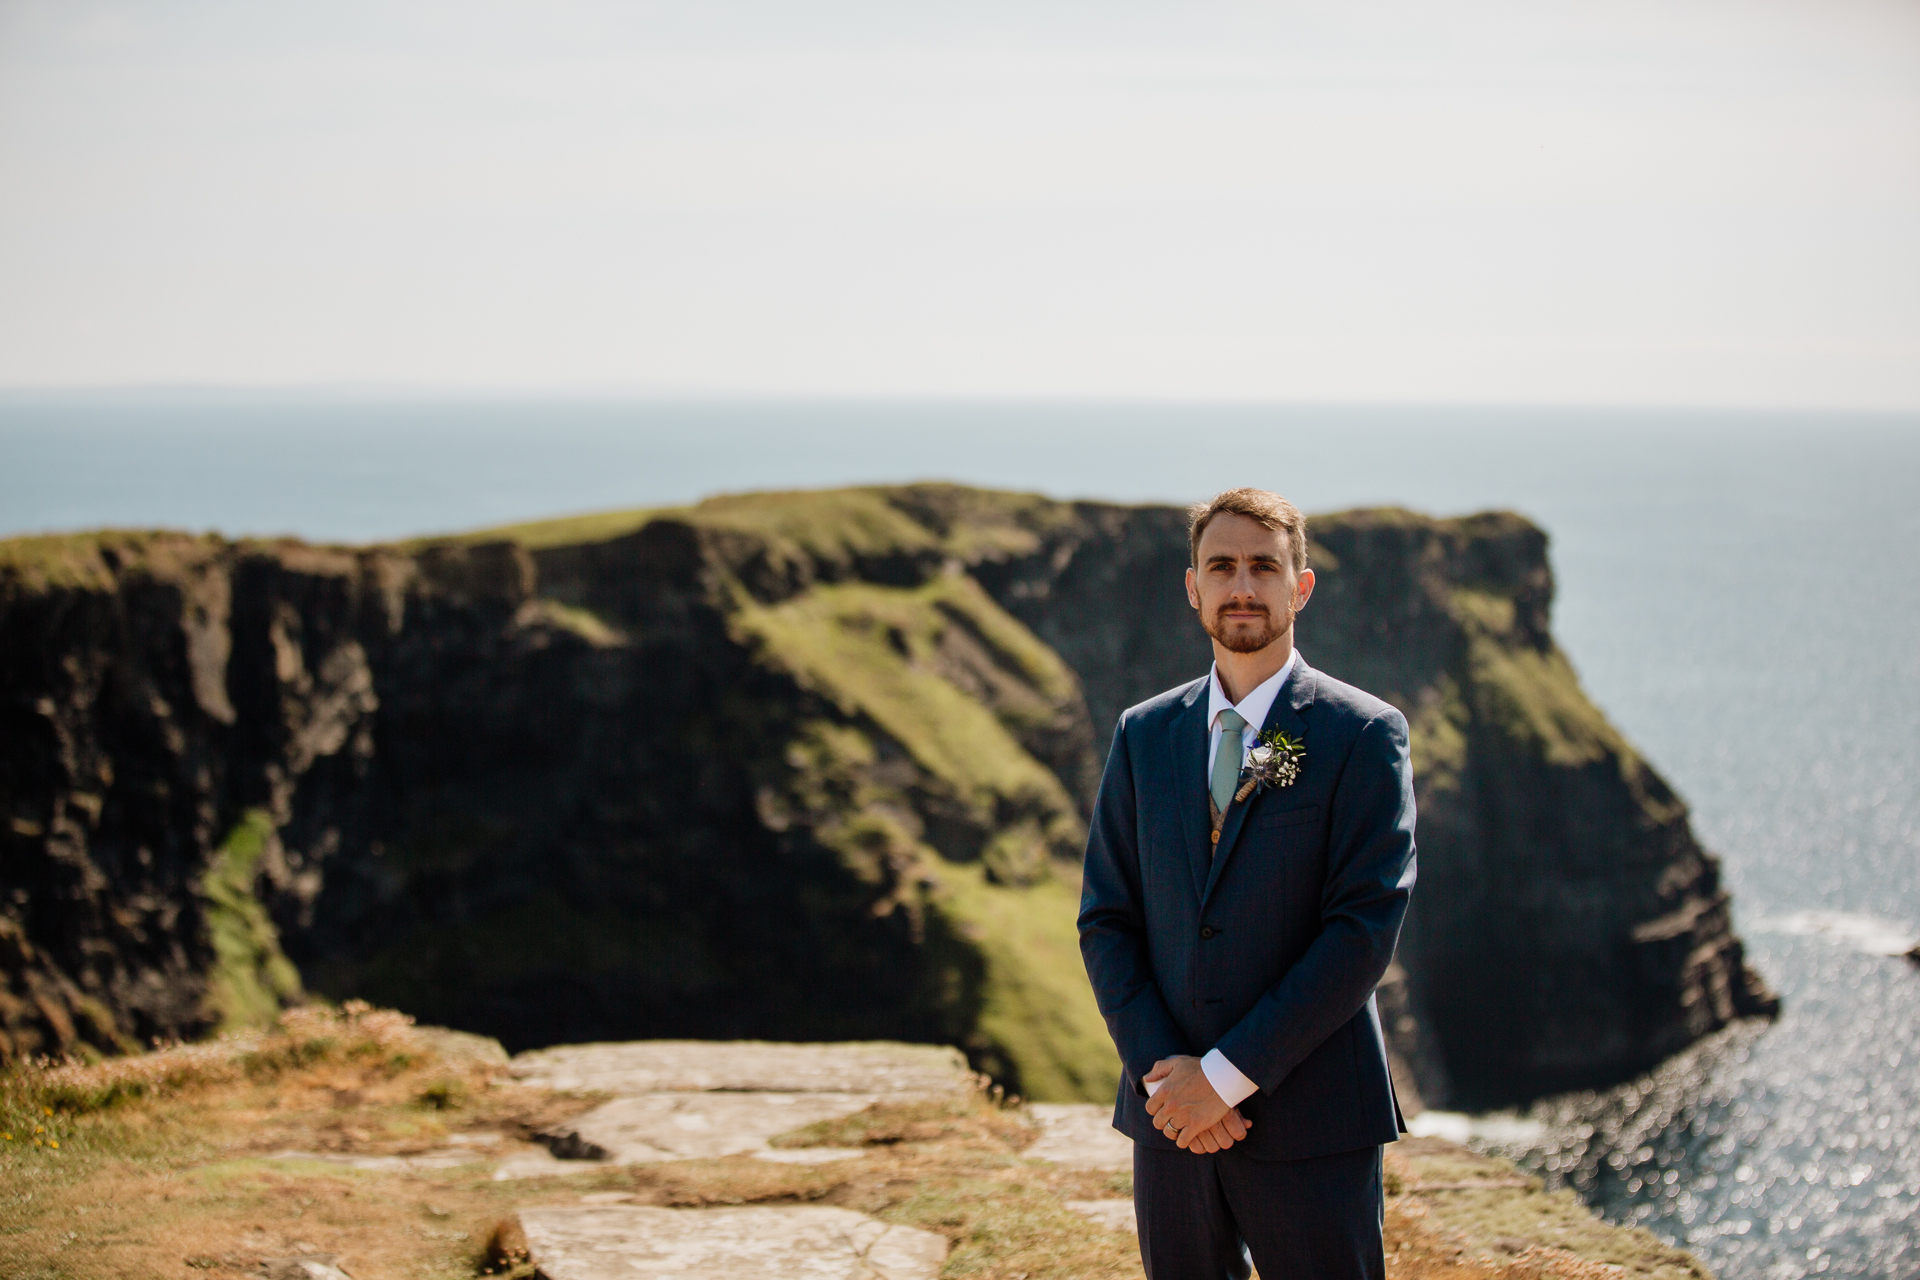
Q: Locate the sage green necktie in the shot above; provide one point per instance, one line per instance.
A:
(1226, 758)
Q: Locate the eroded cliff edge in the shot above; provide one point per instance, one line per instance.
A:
(803, 766)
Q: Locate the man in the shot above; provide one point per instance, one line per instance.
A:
(1248, 867)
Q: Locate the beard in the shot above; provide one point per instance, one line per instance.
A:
(1243, 638)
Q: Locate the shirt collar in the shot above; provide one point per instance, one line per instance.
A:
(1254, 707)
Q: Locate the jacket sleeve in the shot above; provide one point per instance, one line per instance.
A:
(1113, 927)
(1370, 874)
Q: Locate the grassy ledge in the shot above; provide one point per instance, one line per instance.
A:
(176, 1163)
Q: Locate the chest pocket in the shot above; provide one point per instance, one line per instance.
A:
(1272, 819)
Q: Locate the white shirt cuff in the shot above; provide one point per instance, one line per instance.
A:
(1226, 1079)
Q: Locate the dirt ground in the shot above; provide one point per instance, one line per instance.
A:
(172, 1164)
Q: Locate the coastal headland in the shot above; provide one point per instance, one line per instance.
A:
(793, 766)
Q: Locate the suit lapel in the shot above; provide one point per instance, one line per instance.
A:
(1284, 715)
(1187, 740)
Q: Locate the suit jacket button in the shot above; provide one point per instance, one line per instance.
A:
(1206, 931)
(1216, 837)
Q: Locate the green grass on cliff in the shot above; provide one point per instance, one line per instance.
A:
(1437, 731)
(947, 675)
(1533, 697)
(561, 531)
(827, 524)
(1039, 1008)
(90, 561)
(879, 653)
(251, 979)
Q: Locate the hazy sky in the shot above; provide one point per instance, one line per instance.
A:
(1581, 202)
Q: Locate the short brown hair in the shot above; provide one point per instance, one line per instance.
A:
(1270, 509)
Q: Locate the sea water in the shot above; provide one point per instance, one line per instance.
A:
(1739, 591)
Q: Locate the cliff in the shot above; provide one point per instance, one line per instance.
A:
(786, 766)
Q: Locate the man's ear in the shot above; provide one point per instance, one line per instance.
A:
(1193, 597)
(1302, 589)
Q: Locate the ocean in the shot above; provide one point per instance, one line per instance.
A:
(1739, 590)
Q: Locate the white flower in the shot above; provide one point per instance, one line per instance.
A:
(1273, 761)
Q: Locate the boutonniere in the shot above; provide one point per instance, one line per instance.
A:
(1274, 761)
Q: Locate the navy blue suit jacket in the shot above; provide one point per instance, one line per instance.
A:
(1270, 948)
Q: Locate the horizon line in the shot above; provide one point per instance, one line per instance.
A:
(399, 393)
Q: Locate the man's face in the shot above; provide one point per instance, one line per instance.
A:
(1244, 585)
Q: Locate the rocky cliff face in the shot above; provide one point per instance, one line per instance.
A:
(806, 766)
(1568, 928)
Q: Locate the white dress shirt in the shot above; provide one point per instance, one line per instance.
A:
(1226, 1079)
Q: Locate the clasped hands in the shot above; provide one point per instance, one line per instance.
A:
(1186, 1108)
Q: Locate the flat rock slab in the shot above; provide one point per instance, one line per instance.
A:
(619, 1242)
(689, 1126)
(443, 1158)
(308, 1266)
(1080, 1135)
(462, 1046)
(538, 1162)
(1115, 1214)
(683, 1066)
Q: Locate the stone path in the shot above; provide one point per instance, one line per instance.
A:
(439, 1158)
(461, 1148)
(688, 1126)
(309, 1266)
(1080, 1135)
(744, 1066)
(682, 1100)
(685, 1099)
(618, 1242)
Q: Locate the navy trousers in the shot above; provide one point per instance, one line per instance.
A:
(1208, 1217)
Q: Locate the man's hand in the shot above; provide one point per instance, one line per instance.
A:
(1186, 1108)
(1231, 1129)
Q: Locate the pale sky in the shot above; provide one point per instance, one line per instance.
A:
(1682, 202)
